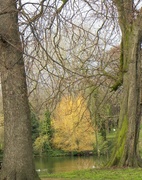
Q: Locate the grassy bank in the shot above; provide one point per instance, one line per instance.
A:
(99, 174)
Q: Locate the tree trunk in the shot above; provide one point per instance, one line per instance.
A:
(126, 151)
(18, 161)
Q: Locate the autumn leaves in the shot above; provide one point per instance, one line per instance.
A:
(72, 125)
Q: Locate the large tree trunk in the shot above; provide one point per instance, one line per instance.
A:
(126, 148)
(126, 152)
(18, 161)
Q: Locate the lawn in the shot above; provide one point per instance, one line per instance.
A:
(97, 174)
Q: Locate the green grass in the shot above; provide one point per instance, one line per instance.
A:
(100, 174)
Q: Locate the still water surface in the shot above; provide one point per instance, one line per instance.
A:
(65, 164)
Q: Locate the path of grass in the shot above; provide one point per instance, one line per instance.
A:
(98, 174)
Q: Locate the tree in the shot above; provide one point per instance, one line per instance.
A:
(46, 127)
(18, 161)
(126, 152)
(43, 144)
(1, 132)
(35, 126)
(73, 130)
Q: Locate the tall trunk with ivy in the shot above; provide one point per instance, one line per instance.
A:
(49, 129)
(126, 152)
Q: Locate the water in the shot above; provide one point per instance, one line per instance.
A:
(66, 164)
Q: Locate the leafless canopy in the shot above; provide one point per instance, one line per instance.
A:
(69, 45)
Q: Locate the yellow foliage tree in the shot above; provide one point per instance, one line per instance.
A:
(39, 143)
(72, 125)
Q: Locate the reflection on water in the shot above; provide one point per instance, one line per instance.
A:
(65, 164)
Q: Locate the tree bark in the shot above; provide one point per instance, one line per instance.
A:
(18, 161)
(126, 152)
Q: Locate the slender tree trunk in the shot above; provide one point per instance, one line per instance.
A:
(126, 152)
(18, 161)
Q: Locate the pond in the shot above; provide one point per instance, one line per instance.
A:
(65, 164)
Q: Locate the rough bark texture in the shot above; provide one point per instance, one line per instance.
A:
(18, 161)
(126, 151)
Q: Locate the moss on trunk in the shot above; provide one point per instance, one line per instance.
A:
(126, 151)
